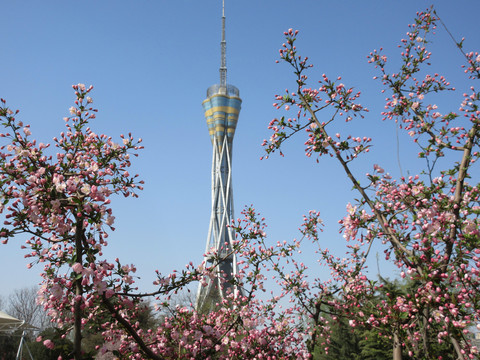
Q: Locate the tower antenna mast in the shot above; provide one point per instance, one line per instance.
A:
(223, 45)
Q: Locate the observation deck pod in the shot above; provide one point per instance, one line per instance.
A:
(222, 108)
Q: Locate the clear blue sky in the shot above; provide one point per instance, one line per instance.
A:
(151, 63)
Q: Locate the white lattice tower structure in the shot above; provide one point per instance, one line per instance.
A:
(222, 108)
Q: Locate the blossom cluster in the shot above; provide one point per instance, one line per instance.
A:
(427, 224)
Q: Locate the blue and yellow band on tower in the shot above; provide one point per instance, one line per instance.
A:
(221, 112)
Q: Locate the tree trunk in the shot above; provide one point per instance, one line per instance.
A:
(77, 327)
(425, 335)
(397, 347)
(457, 347)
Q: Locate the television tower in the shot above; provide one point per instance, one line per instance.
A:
(222, 108)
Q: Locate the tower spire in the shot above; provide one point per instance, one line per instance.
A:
(223, 45)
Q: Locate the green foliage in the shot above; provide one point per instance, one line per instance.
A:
(8, 346)
(146, 316)
(63, 346)
(347, 343)
(373, 346)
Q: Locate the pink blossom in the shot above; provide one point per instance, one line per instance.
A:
(85, 189)
(57, 291)
(49, 344)
(378, 169)
(77, 267)
(110, 220)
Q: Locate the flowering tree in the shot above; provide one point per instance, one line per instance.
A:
(428, 223)
(62, 203)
